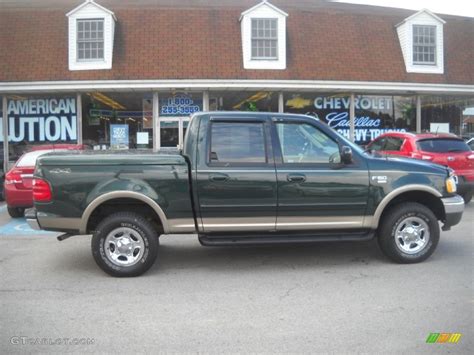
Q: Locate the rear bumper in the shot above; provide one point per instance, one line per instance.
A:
(30, 215)
(453, 208)
(18, 198)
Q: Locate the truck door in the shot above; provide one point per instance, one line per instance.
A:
(314, 194)
(236, 176)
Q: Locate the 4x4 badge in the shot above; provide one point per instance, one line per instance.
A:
(380, 179)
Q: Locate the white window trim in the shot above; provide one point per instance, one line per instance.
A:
(109, 26)
(263, 10)
(405, 34)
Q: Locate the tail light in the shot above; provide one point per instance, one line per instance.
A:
(41, 190)
(421, 156)
(13, 178)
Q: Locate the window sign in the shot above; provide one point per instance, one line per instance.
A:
(179, 105)
(41, 120)
(374, 115)
(119, 138)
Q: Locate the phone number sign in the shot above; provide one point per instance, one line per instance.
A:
(179, 105)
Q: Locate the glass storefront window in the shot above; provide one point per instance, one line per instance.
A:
(263, 101)
(175, 109)
(113, 120)
(39, 120)
(374, 114)
(447, 114)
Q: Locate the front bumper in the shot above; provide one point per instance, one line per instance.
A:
(465, 186)
(31, 219)
(453, 208)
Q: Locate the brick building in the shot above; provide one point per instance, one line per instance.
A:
(129, 73)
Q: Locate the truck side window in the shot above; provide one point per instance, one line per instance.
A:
(393, 143)
(378, 144)
(303, 143)
(235, 142)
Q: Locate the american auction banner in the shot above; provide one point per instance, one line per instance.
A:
(41, 120)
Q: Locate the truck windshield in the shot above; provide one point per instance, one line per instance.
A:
(442, 145)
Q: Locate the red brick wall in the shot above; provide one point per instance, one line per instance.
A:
(205, 43)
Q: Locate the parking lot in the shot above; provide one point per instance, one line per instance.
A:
(319, 298)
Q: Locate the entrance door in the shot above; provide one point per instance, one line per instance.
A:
(172, 131)
(312, 193)
(236, 179)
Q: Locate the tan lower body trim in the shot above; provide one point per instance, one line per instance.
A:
(59, 223)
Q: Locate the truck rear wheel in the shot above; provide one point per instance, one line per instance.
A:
(408, 233)
(125, 244)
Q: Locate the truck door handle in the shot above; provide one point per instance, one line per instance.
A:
(219, 177)
(296, 177)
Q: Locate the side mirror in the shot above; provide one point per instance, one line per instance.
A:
(346, 154)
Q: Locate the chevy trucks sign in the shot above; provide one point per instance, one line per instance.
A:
(374, 115)
(41, 120)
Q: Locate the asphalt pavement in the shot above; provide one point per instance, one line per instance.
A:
(321, 298)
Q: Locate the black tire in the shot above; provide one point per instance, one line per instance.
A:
(394, 219)
(140, 228)
(467, 196)
(16, 212)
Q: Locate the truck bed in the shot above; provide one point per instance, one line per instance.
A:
(78, 179)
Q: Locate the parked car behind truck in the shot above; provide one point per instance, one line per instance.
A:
(445, 149)
(18, 181)
(244, 179)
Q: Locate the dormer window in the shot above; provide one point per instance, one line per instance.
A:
(264, 37)
(91, 37)
(424, 44)
(421, 42)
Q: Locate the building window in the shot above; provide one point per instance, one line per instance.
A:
(90, 39)
(424, 44)
(263, 29)
(91, 30)
(264, 38)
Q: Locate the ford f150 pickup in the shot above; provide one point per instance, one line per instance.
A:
(241, 179)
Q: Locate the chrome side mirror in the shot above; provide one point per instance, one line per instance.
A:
(346, 155)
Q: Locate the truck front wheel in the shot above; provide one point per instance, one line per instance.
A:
(408, 233)
(125, 244)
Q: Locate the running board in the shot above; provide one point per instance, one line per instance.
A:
(228, 240)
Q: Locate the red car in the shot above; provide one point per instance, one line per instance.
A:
(18, 181)
(444, 149)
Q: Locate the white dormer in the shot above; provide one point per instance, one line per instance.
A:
(264, 37)
(421, 40)
(91, 37)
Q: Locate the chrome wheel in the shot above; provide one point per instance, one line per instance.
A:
(412, 235)
(124, 246)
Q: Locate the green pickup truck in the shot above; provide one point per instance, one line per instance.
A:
(244, 179)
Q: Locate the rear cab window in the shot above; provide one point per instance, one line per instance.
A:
(442, 145)
(237, 143)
